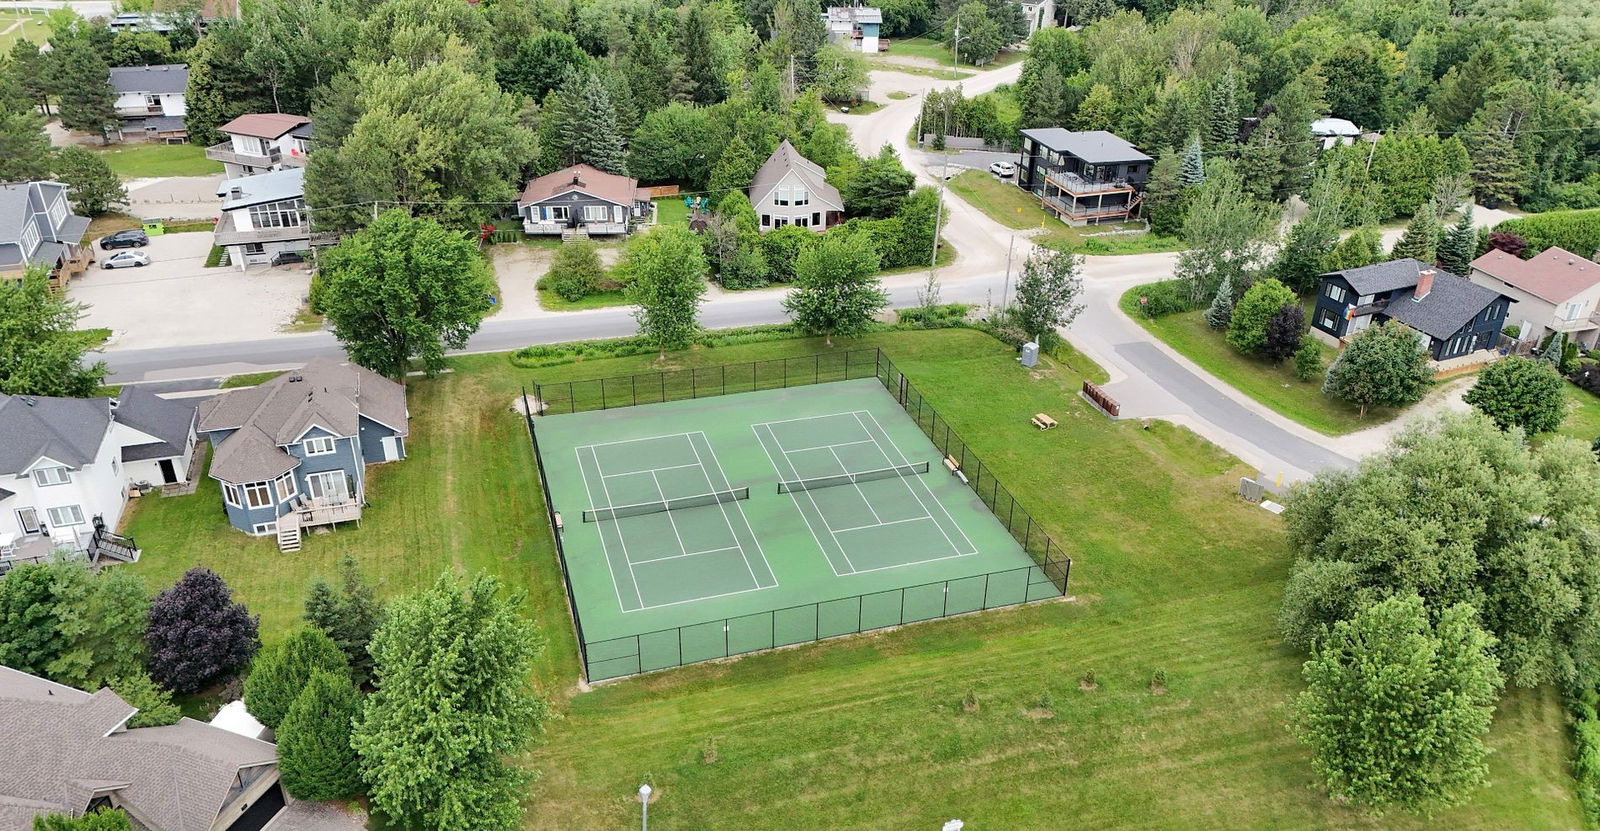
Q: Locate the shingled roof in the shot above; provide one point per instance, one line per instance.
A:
(1554, 274)
(581, 178)
(786, 160)
(170, 422)
(68, 430)
(63, 746)
(323, 393)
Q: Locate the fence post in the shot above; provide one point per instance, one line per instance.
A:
(663, 386)
(633, 383)
(602, 393)
(694, 383)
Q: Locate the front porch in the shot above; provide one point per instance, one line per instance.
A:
(601, 229)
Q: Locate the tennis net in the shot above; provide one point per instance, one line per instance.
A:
(851, 478)
(660, 506)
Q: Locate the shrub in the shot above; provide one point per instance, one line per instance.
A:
(1284, 332)
(1587, 377)
(781, 248)
(1520, 392)
(1164, 298)
(281, 671)
(576, 272)
(1508, 242)
(1576, 231)
(1247, 328)
(197, 634)
(314, 740)
(1307, 360)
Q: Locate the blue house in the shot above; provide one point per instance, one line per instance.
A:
(1453, 316)
(293, 452)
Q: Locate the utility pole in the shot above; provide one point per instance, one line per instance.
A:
(1005, 288)
(938, 209)
(955, 48)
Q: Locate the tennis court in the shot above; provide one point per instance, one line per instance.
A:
(713, 526)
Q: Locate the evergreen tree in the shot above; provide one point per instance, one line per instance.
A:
(1165, 202)
(1046, 103)
(586, 125)
(1396, 708)
(83, 88)
(32, 70)
(349, 615)
(1222, 112)
(197, 634)
(1260, 161)
(1497, 168)
(665, 271)
(1297, 104)
(735, 168)
(1194, 166)
(1421, 238)
(314, 753)
(91, 186)
(836, 287)
(24, 146)
(281, 671)
(700, 55)
(1221, 311)
(1459, 244)
(453, 707)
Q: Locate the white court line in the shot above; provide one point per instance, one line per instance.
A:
(670, 521)
(633, 441)
(616, 585)
(651, 470)
(814, 506)
(972, 548)
(881, 524)
(857, 485)
(687, 554)
(829, 446)
(809, 418)
(695, 599)
(918, 563)
(704, 471)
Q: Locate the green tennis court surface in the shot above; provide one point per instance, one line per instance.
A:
(714, 526)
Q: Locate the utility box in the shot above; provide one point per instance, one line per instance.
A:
(154, 229)
(1030, 354)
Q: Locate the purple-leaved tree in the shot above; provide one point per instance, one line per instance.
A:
(197, 634)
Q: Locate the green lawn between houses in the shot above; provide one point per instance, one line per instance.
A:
(1172, 573)
(16, 24)
(141, 160)
(1013, 207)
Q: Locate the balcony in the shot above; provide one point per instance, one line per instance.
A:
(226, 234)
(1078, 186)
(140, 111)
(225, 153)
(1081, 210)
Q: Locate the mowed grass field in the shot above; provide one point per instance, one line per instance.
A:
(1172, 573)
(18, 25)
(1014, 207)
(143, 160)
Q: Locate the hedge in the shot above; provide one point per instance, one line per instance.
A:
(1576, 231)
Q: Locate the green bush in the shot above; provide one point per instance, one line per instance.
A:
(781, 247)
(1586, 758)
(1576, 231)
(1307, 360)
(1165, 298)
(575, 272)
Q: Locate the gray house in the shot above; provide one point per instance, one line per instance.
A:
(1456, 319)
(790, 189)
(292, 453)
(69, 752)
(582, 201)
(152, 101)
(1083, 177)
(38, 228)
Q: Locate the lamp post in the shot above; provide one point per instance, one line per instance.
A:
(644, 805)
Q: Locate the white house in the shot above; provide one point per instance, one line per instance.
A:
(67, 463)
(856, 27)
(790, 189)
(264, 217)
(262, 143)
(151, 101)
(1556, 291)
(1040, 14)
(1332, 132)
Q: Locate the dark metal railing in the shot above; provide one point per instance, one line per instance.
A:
(609, 658)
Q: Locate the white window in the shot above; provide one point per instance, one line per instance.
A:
(51, 476)
(264, 528)
(557, 213)
(596, 213)
(58, 211)
(232, 496)
(285, 214)
(30, 237)
(1573, 310)
(320, 446)
(330, 485)
(1335, 293)
(257, 495)
(152, 100)
(286, 487)
(66, 515)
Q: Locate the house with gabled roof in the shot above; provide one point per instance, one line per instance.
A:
(262, 143)
(790, 189)
(1456, 320)
(67, 465)
(582, 201)
(1556, 291)
(152, 101)
(38, 228)
(292, 453)
(70, 752)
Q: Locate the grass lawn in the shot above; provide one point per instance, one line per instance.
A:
(248, 379)
(556, 303)
(860, 107)
(941, 73)
(1583, 413)
(670, 210)
(139, 160)
(1274, 386)
(17, 25)
(1172, 573)
(934, 50)
(1014, 207)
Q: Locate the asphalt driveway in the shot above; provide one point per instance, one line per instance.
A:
(177, 300)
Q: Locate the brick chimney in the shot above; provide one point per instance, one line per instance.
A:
(1424, 284)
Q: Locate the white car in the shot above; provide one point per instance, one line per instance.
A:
(126, 259)
(1003, 169)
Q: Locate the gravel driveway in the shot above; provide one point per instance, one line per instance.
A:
(176, 300)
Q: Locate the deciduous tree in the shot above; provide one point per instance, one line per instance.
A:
(197, 634)
(836, 287)
(453, 707)
(878, 186)
(155, 704)
(1520, 392)
(91, 186)
(1396, 708)
(102, 819)
(1247, 328)
(40, 352)
(1048, 294)
(1226, 233)
(403, 290)
(280, 672)
(1383, 366)
(1284, 332)
(665, 271)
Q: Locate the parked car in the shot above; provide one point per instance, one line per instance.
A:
(1004, 170)
(287, 257)
(133, 238)
(126, 259)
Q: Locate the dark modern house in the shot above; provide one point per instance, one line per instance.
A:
(1453, 316)
(1083, 177)
(582, 201)
(293, 452)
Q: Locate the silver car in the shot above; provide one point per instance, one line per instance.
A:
(126, 259)
(1004, 170)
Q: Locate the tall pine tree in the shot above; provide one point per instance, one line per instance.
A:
(1421, 238)
(1458, 244)
(83, 88)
